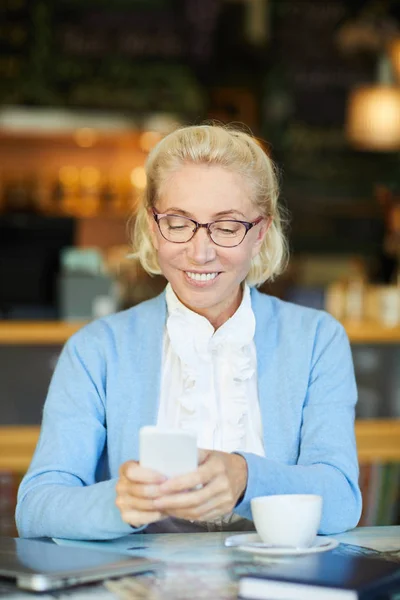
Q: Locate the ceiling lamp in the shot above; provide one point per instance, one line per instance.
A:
(373, 118)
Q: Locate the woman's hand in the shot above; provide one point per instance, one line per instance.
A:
(136, 489)
(209, 492)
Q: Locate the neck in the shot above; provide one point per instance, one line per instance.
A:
(219, 315)
(217, 320)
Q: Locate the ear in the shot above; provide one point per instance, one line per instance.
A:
(262, 232)
(153, 229)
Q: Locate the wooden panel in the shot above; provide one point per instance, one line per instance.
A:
(17, 445)
(37, 332)
(376, 440)
(370, 332)
(57, 332)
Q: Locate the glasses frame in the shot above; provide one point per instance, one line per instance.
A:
(248, 225)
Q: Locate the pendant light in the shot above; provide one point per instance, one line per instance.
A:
(373, 117)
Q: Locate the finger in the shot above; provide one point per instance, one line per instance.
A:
(192, 498)
(199, 478)
(218, 506)
(132, 493)
(202, 455)
(129, 464)
(129, 505)
(128, 502)
(135, 473)
(215, 507)
(139, 518)
(213, 515)
(142, 490)
(182, 483)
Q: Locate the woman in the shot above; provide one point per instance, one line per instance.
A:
(268, 386)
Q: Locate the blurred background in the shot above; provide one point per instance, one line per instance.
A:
(88, 87)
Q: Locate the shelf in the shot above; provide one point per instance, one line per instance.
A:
(377, 440)
(17, 444)
(57, 332)
(370, 332)
(37, 332)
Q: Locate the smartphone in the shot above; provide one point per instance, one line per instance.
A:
(169, 451)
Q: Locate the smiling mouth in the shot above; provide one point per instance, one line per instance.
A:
(201, 276)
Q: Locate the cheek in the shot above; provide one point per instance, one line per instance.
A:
(167, 253)
(239, 260)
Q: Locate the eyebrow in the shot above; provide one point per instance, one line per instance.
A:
(222, 213)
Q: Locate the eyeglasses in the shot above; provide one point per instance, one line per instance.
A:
(227, 233)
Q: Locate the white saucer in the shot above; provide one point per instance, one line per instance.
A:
(251, 542)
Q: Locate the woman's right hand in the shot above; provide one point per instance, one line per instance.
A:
(136, 489)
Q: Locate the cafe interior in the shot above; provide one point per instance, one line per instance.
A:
(88, 88)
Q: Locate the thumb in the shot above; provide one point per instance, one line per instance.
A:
(127, 468)
(202, 455)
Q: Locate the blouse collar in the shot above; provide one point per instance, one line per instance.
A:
(238, 330)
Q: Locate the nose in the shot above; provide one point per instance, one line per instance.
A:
(201, 249)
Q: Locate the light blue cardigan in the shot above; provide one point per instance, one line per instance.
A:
(106, 386)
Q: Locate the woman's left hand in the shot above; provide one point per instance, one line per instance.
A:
(207, 493)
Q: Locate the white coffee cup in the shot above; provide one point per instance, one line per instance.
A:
(287, 520)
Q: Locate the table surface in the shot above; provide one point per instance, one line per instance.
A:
(199, 566)
(209, 547)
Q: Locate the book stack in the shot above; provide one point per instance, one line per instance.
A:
(8, 491)
(380, 488)
(326, 576)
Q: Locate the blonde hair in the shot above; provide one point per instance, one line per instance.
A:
(234, 150)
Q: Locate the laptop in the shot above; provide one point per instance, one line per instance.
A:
(41, 566)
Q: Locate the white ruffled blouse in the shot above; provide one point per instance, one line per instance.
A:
(209, 378)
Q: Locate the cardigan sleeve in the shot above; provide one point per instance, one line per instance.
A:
(60, 496)
(327, 460)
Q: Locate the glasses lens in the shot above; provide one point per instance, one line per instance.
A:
(227, 233)
(176, 229)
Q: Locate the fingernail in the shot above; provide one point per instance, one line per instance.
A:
(131, 472)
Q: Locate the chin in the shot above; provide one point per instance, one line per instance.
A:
(196, 301)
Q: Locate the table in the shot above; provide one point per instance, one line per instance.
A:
(199, 566)
(379, 538)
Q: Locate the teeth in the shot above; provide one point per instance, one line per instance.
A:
(201, 276)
